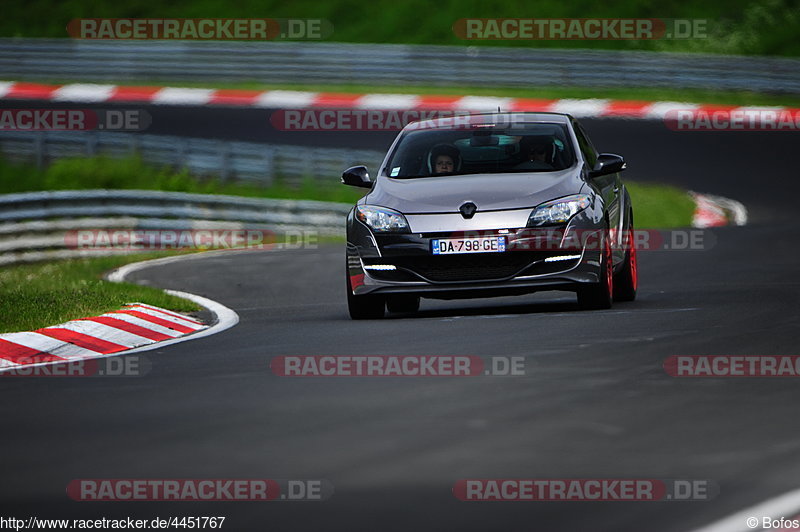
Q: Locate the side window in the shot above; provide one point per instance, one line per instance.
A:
(588, 151)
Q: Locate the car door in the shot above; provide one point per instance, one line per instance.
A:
(608, 186)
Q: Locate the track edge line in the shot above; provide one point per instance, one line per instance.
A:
(224, 317)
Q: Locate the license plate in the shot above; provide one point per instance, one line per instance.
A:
(451, 246)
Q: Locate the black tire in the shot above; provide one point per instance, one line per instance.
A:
(598, 296)
(402, 303)
(626, 282)
(368, 307)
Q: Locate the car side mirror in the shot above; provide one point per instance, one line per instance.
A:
(608, 163)
(357, 176)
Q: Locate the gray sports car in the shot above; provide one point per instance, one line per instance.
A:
(490, 205)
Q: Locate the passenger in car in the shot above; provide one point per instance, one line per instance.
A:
(443, 165)
(444, 159)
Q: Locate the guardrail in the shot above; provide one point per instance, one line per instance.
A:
(34, 225)
(235, 161)
(387, 64)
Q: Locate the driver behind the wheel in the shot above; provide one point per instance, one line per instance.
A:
(538, 152)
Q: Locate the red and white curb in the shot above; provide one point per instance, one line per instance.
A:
(134, 328)
(717, 211)
(287, 99)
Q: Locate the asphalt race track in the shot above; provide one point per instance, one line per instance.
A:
(595, 401)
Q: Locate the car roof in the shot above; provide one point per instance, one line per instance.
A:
(447, 122)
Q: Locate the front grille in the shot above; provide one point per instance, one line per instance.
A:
(467, 267)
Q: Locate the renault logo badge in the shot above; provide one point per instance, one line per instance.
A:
(468, 210)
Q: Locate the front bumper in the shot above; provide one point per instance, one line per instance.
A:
(534, 260)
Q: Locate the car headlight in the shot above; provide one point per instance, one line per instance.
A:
(559, 211)
(382, 220)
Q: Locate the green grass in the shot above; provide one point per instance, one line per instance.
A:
(660, 206)
(734, 26)
(39, 295)
(132, 174)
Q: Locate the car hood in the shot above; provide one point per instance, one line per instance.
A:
(486, 191)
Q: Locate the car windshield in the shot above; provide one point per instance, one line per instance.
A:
(480, 150)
